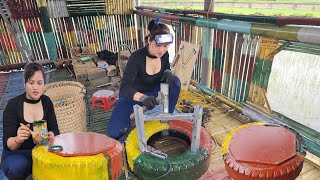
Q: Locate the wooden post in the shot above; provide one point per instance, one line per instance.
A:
(207, 49)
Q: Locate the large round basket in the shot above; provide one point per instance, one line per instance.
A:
(69, 105)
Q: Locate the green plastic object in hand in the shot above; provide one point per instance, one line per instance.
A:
(55, 148)
(85, 59)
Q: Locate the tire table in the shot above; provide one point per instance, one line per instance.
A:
(85, 155)
(263, 151)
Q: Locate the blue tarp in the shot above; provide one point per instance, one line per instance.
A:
(15, 87)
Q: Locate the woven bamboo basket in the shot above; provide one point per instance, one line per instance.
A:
(69, 105)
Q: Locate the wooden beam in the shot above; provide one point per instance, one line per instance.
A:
(22, 65)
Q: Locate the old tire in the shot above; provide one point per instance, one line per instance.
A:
(187, 165)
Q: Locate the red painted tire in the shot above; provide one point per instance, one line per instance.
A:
(260, 151)
(115, 158)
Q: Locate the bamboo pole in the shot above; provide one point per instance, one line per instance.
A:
(4, 35)
(56, 37)
(43, 38)
(105, 31)
(110, 33)
(47, 31)
(280, 21)
(75, 31)
(291, 33)
(224, 45)
(232, 68)
(22, 65)
(84, 31)
(37, 43)
(65, 40)
(97, 28)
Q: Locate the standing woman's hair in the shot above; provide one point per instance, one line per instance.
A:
(30, 69)
(156, 28)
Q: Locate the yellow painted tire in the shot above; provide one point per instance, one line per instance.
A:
(50, 166)
(132, 147)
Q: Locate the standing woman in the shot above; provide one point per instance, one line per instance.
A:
(26, 108)
(146, 69)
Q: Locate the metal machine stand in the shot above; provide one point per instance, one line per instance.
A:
(140, 118)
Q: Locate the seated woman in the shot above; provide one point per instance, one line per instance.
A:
(26, 108)
(146, 69)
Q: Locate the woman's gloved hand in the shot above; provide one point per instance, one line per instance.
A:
(169, 78)
(148, 101)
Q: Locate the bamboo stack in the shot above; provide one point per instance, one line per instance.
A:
(118, 7)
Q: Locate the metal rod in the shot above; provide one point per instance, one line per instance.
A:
(139, 120)
(197, 121)
(164, 88)
(167, 117)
